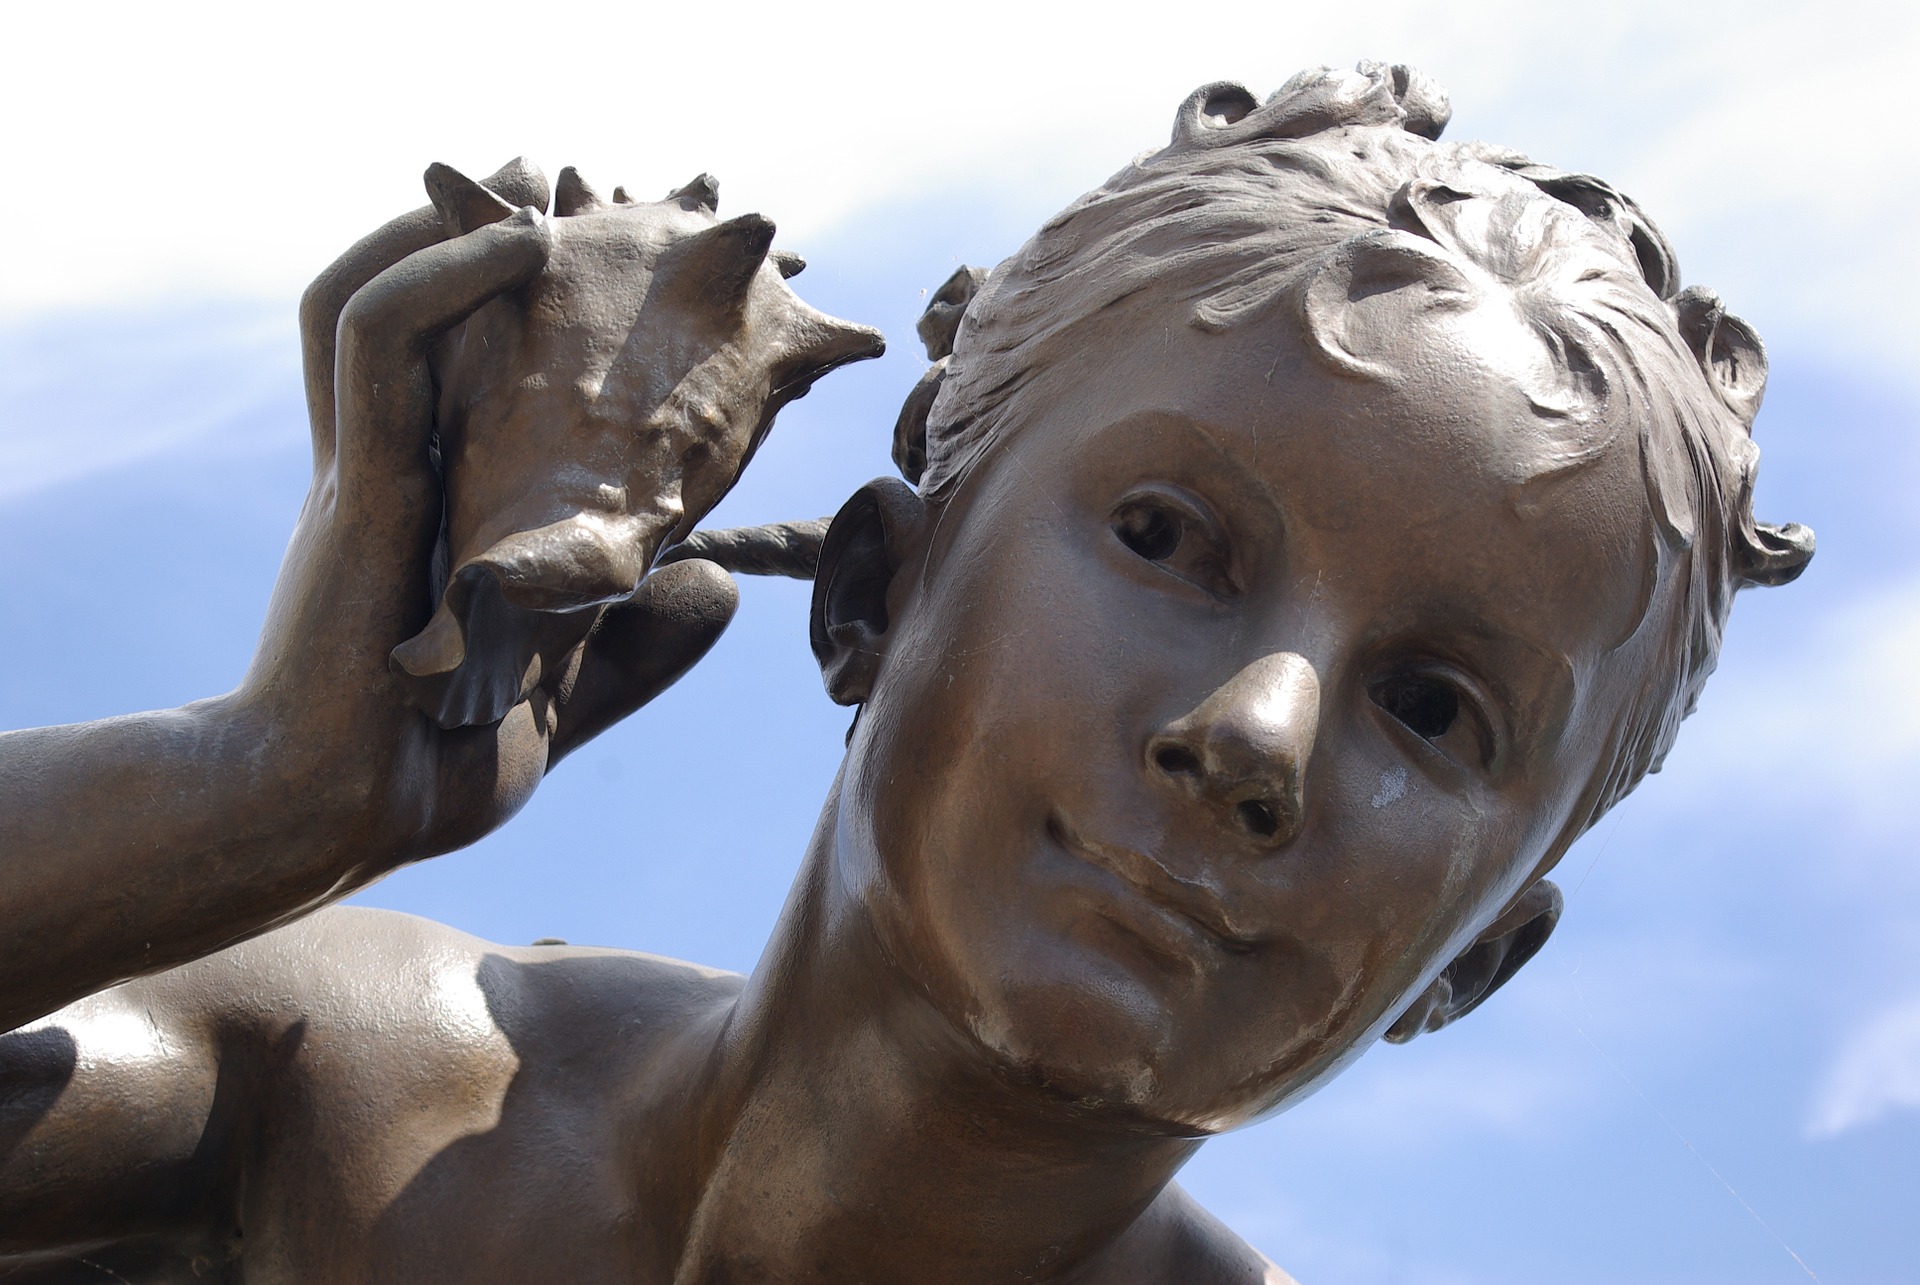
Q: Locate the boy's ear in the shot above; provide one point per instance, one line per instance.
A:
(1481, 969)
(862, 549)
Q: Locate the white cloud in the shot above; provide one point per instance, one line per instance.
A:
(1830, 716)
(1876, 1073)
(226, 147)
(85, 393)
(1788, 173)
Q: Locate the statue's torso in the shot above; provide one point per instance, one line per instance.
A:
(394, 1101)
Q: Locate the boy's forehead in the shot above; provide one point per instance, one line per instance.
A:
(1441, 472)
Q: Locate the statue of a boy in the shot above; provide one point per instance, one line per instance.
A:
(1321, 525)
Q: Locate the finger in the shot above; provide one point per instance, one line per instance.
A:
(381, 378)
(320, 310)
(789, 549)
(643, 647)
(518, 182)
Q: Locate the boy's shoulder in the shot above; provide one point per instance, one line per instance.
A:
(1177, 1240)
(425, 989)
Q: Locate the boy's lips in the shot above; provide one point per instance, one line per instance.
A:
(1189, 899)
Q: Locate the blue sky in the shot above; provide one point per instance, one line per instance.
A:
(1714, 1066)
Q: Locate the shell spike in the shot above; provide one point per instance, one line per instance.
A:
(722, 261)
(571, 195)
(702, 192)
(462, 204)
(821, 343)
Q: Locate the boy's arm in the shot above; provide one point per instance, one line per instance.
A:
(135, 844)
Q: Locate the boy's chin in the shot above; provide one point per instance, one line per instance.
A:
(1144, 1050)
(1107, 1043)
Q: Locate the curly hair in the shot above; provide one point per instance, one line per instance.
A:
(1254, 206)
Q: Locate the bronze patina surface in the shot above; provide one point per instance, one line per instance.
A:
(1311, 532)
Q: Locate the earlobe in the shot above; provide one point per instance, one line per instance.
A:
(1480, 970)
(858, 558)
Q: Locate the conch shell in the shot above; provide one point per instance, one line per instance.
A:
(592, 417)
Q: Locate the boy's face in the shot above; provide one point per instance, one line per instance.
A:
(1229, 699)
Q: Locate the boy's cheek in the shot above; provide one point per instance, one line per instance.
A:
(1401, 860)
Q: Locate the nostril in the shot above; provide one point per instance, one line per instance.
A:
(1258, 818)
(1176, 760)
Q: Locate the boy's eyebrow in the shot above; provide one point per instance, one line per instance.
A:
(1244, 479)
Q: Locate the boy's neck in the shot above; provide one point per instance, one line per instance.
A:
(851, 1132)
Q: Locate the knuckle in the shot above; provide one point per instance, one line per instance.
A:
(370, 313)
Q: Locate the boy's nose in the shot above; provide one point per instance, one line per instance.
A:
(1243, 751)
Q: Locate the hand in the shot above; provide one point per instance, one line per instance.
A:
(357, 579)
(135, 844)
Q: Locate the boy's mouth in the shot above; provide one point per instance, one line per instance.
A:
(1192, 902)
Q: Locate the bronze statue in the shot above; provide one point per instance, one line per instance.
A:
(1317, 527)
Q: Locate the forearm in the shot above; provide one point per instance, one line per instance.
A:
(137, 843)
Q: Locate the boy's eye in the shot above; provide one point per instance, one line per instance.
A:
(1151, 532)
(1181, 537)
(1428, 707)
(1442, 711)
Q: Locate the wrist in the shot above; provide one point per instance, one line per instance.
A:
(335, 785)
